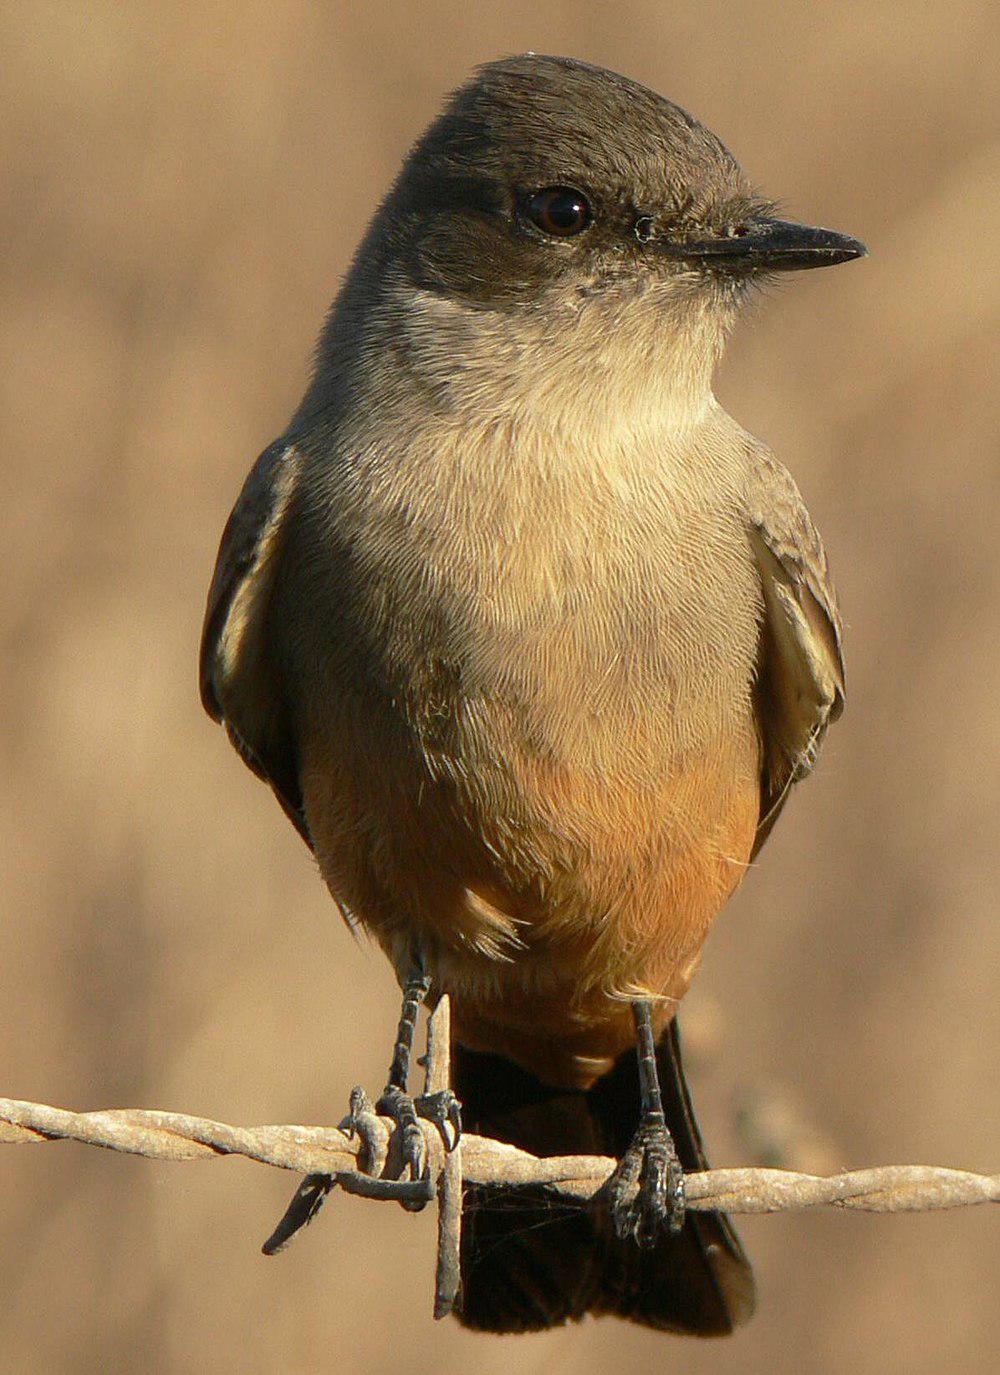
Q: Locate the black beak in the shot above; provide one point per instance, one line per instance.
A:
(766, 245)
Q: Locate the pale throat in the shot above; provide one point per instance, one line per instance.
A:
(605, 366)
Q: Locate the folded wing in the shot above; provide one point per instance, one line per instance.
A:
(800, 682)
(240, 683)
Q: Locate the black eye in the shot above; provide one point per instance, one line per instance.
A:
(559, 210)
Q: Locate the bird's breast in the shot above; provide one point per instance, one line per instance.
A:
(606, 611)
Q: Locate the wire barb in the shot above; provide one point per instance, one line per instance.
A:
(448, 1276)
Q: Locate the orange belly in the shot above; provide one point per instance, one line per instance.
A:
(544, 926)
(630, 922)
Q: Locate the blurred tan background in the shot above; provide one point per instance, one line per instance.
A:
(183, 187)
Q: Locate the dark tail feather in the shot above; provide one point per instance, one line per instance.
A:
(532, 1260)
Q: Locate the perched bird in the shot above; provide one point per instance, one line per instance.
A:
(531, 640)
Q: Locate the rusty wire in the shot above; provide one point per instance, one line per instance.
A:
(327, 1150)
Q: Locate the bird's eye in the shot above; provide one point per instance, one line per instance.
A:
(559, 210)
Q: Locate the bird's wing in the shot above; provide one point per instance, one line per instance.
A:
(239, 679)
(800, 681)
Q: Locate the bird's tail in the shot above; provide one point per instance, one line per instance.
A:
(531, 1260)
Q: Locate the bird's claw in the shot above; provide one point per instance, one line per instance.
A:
(442, 1109)
(646, 1192)
(445, 1111)
(397, 1104)
(360, 1105)
(362, 1122)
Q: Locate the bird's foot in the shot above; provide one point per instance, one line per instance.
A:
(646, 1192)
(442, 1109)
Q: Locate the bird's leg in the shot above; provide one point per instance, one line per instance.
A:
(646, 1192)
(396, 1102)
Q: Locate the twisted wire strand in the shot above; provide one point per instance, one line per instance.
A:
(329, 1151)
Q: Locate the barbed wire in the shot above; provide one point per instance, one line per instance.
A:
(328, 1150)
(329, 1156)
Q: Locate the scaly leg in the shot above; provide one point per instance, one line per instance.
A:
(440, 1108)
(646, 1192)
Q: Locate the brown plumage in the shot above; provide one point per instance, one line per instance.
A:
(528, 636)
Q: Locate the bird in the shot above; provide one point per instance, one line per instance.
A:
(531, 640)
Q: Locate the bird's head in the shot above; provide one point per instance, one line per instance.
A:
(582, 222)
